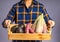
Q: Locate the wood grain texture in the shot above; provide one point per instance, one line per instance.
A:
(27, 36)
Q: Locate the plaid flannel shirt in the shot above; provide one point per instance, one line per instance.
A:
(22, 15)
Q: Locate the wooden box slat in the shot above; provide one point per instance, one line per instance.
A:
(27, 36)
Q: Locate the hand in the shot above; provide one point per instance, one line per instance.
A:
(7, 23)
(51, 23)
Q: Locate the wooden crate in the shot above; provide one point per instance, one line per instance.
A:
(27, 36)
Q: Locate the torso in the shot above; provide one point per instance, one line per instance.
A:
(26, 15)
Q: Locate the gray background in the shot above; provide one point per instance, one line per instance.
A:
(53, 8)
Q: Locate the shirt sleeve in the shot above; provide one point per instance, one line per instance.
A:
(11, 14)
(46, 15)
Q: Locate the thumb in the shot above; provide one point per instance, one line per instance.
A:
(7, 22)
